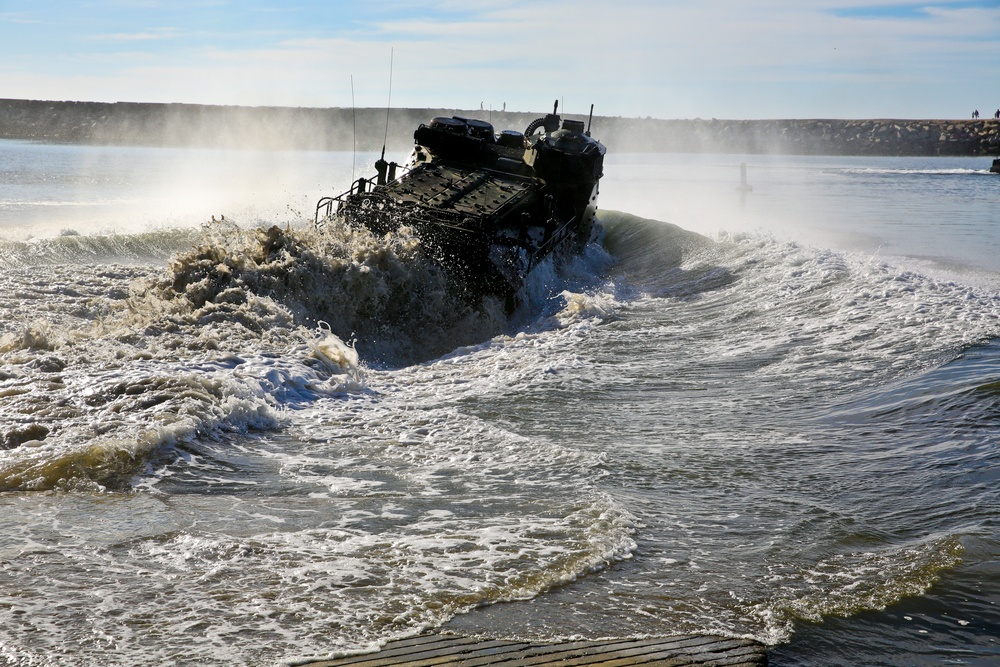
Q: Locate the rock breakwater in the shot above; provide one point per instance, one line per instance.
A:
(124, 123)
(889, 137)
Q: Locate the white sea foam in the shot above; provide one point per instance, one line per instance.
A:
(919, 172)
(399, 510)
(229, 480)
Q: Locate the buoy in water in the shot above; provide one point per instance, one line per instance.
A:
(743, 187)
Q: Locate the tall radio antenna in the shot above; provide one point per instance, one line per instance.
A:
(354, 120)
(388, 105)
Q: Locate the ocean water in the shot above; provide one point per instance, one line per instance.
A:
(771, 414)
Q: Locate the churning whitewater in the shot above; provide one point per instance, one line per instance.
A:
(217, 465)
(250, 446)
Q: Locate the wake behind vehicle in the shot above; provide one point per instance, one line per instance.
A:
(488, 207)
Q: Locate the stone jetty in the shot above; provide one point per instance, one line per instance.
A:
(889, 137)
(294, 128)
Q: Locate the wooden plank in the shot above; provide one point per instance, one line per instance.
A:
(457, 651)
(423, 654)
(623, 657)
(404, 650)
(582, 653)
(495, 656)
(735, 652)
(587, 653)
(650, 652)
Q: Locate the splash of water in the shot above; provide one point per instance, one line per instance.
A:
(381, 293)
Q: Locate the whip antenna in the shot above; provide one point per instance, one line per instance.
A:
(354, 120)
(388, 105)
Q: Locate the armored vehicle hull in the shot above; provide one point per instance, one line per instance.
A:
(488, 207)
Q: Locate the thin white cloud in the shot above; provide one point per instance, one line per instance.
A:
(680, 58)
(18, 20)
(154, 34)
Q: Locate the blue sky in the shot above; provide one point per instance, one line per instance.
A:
(660, 58)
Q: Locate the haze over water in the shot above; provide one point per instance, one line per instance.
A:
(770, 414)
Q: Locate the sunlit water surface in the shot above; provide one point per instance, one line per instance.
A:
(770, 414)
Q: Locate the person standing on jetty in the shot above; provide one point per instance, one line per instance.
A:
(997, 114)
(975, 114)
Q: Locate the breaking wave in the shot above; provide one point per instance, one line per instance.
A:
(918, 172)
(277, 380)
(126, 363)
(73, 248)
(336, 369)
(380, 293)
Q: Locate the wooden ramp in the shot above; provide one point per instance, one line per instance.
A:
(456, 651)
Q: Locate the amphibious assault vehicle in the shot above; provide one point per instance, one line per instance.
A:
(488, 207)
